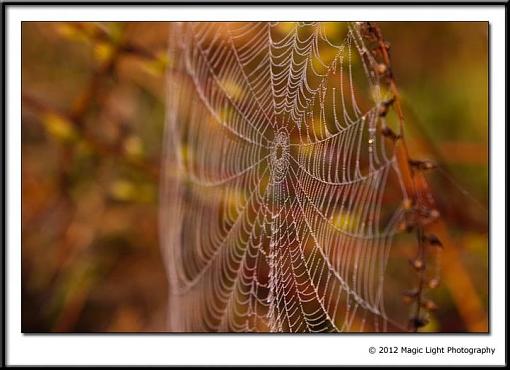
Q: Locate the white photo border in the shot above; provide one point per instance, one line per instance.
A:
(238, 349)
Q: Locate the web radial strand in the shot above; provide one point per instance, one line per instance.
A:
(279, 203)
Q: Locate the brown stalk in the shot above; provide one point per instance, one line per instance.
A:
(466, 298)
(413, 180)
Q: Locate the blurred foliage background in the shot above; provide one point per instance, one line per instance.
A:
(93, 116)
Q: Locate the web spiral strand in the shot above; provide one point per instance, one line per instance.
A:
(277, 209)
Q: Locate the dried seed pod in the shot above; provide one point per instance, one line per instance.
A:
(408, 203)
(426, 215)
(410, 296)
(388, 132)
(406, 226)
(417, 322)
(389, 101)
(417, 264)
(383, 108)
(409, 223)
(407, 300)
(422, 165)
(433, 283)
(381, 68)
(411, 292)
(434, 213)
(433, 240)
(429, 305)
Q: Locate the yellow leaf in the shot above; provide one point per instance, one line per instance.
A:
(335, 31)
(344, 221)
(133, 146)
(103, 51)
(59, 127)
(286, 27)
(122, 190)
(158, 65)
(232, 89)
(432, 325)
(72, 32)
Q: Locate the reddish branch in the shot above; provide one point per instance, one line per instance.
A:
(421, 208)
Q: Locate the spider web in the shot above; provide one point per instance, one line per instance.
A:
(280, 195)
